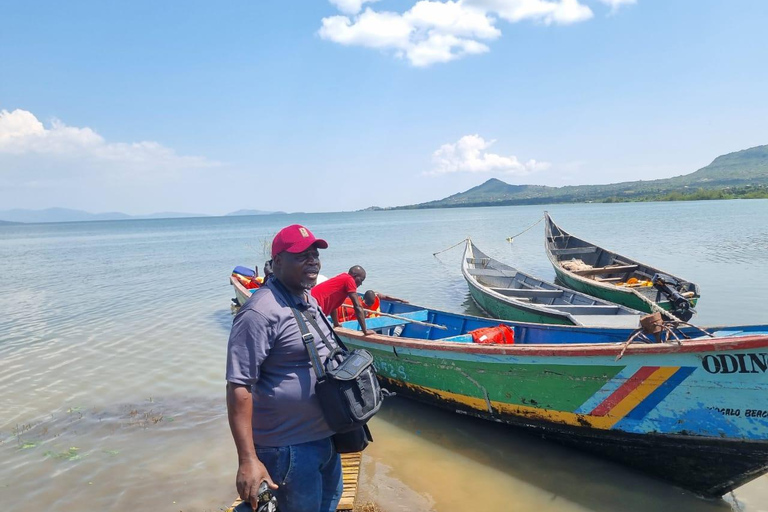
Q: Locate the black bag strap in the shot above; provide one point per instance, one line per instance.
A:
(336, 337)
(307, 337)
(309, 343)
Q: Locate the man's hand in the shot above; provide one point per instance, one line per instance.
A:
(335, 318)
(250, 474)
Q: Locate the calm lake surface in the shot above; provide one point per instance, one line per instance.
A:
(113, 339)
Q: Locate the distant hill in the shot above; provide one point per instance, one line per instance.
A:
(67, 215)
(250, 212)
(169, 215)
(740, 174)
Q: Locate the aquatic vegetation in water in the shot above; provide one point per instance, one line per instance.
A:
(72, 454)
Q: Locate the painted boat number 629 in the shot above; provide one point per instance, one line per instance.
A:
(396, 372)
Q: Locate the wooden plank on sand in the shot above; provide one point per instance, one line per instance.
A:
(350, 469)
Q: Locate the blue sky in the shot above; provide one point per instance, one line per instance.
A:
(320, 105)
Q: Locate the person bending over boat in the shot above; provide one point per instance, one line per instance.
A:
(277, 424)
(331, 294)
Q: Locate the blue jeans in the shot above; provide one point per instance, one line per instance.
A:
(309, 475)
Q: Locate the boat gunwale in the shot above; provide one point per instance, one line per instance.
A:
(726, 343)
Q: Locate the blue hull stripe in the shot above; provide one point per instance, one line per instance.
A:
(607, 390)
(655, 398)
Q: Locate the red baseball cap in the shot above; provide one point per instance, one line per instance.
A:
(295, 239)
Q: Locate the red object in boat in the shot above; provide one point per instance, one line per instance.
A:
(499, 335)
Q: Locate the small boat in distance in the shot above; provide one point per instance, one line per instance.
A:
(505, 292)
(596, 271)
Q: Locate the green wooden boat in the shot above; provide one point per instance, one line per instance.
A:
(596, 271)
(505, 292)
(692, 413)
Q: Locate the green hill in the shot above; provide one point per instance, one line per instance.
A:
(740, 174)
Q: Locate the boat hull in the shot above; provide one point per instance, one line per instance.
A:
(242, 294)
(499, 309)
(613, 294)
(662, 413)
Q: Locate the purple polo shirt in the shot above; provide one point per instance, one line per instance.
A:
(267, 354)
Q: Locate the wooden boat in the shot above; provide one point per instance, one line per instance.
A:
(242, 293)
(505, 292)
(693, 414)
(591, 269)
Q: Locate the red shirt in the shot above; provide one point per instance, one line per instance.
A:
(331, 293)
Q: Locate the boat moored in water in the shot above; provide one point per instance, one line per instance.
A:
(596, 271)
(505, 292)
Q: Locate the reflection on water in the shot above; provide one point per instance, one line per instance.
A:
(491, 466)
(470, 307)
(113, 338)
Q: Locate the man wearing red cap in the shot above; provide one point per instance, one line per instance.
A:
(278, 426)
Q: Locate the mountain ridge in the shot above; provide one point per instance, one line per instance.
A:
(741, 173)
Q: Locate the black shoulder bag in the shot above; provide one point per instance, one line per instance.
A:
(347, 387)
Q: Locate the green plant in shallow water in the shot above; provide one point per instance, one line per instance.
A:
(72, 454)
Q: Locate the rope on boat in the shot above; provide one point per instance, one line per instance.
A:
(510, 239)
(669, 328)
(451, 247)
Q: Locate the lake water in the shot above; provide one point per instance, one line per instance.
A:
(113, 339)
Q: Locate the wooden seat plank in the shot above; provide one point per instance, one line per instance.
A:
(605, 270)
(528, 292)
(573, 250)
(487, 272)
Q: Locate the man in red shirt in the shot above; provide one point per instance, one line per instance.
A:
(330, 295)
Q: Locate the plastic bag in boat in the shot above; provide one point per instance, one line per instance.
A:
(499, 335)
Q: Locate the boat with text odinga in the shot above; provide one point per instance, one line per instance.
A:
(694, 413)
(505, 292)
(596, 271)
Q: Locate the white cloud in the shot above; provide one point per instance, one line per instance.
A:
(561, 12)
(22, 134)
(371, 29)
(617, 4)
(469, 154)
(427, 33)
(434, 31)
(44, 165)
(351, 6)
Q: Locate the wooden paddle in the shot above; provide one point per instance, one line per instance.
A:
(398, 317)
